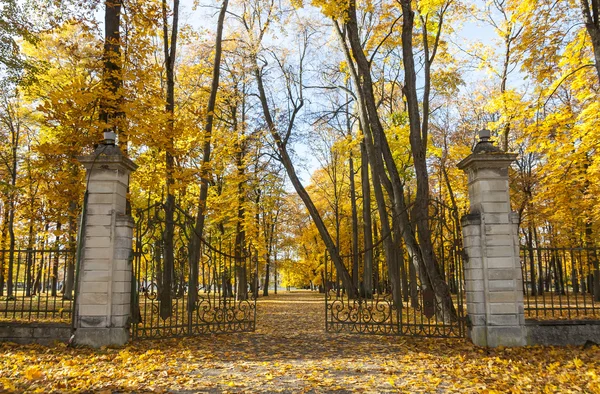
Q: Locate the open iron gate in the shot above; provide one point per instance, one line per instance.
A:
(417, 313)
(164, 303)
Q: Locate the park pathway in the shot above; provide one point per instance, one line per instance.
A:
(291, 352)
(291, 313)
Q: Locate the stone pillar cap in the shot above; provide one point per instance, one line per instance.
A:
(486, 152)
(107, 154)
(489, 159)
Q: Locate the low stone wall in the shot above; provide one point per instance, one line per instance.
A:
(42, 333)
(562, 332)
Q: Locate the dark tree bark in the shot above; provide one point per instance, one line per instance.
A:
(196, 238)
(70, 279)
(267, 276)
(3, 247)
(55, 261)
(170, 52)
(593, 259)
(29, 259)
(590, 11)
(240, 239)
(269, 227)
(275, 273)
(11, 121)
(354, 209)
(380, 159)
(367, 224)
(111, 76)
(418, 141)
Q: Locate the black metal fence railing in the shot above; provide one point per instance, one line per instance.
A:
(561, 283)
(36, 285)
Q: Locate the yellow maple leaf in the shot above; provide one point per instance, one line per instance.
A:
(34, 373)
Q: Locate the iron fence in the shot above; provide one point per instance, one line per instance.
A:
(37, 285)
(561, 283)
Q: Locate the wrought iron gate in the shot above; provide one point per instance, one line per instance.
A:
(416, 314)
(164, 301)
(416, 310)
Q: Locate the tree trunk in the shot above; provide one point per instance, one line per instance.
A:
(11, 247)
(367, 224)
(354, 224)
(302, 193)
(54, 273)
(70, 279)
(372, 144)
(275, 278)
(196, 237)
(29, 260)
(593, 258)
(3, 241)
(12, 196)
(111, 76)
(380, 158)
(532, 276)
(240, 239)
(418, 142)
(590, 10)
(170, 52)
(267, 274)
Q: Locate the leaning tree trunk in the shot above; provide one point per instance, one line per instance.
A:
(426, 266)
(300, 190)
(378, 175)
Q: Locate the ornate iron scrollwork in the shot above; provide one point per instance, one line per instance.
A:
(222, 304)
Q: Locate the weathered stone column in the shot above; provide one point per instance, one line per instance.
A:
(102, 310)
(493, 279)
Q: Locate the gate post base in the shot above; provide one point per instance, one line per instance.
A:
(487, 336)
(98, 337)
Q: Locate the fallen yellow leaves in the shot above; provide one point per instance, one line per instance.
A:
(293, 354)
(33, 373)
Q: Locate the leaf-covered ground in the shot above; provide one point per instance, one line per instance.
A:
(290, 352)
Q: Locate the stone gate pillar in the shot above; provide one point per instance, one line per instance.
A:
(102, 308)
(493, 279)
